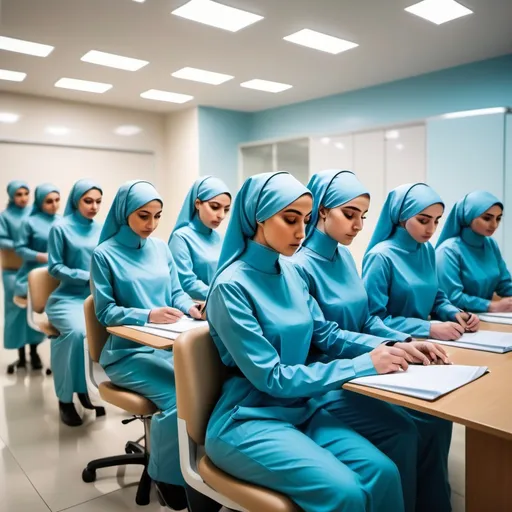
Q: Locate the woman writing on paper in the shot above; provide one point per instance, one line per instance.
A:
(194, 243)
(31, 244)
(399, 268)
(70, 247)
(269, 426)
(134, 281)
(471, 267)
(17, 332)
(417, 443)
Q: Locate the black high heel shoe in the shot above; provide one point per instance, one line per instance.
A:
(87, 404)
(172, 496)
(68, 415)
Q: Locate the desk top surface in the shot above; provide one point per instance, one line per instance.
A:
(144, 338)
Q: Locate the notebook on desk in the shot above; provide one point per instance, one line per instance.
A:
(425, 382)
(496, 318)
(488, 341)
(170, 331)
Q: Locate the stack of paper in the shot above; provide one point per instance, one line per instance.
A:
(496, 318)
(170, 331)
(488, 341)
(426, 382)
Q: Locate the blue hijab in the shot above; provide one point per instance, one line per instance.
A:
(331, 189)
(13, 187)
(402, 203)
(261, 197)
(203, 189)
(465, 211)
(80, 188)
(40, 194)
(130, 197)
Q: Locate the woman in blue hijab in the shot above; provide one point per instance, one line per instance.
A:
(134, 281)
(70, 247)
(17, 333)
(269, 426)
(417, 443)
(471, 267)
(399, 268)
(194, 244)
(31, 243)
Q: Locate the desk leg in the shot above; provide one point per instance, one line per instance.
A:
(488, 472)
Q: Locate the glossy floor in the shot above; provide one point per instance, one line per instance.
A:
(41, 460)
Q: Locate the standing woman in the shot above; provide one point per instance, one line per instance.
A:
(471, 267)
(17, 333)
(32, 245)
(269, 428)
(417, 443)
(70, 247)
(134, 281)
(399, 268)
(194, 244)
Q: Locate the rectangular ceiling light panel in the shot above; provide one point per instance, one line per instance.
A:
(266, 85)
(12, 76)
(170, 97)
(439, 11)
(201, 75)
(319, 41)
(114, 61)
(83, 85)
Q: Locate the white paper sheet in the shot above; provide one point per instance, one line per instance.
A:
(496, 318)
(488, 341)
(157, 332)
(186, 323)
(426, 382)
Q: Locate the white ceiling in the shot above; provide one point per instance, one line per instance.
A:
(393, 44)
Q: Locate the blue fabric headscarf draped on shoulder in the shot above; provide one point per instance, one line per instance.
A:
(130, 197)
(261, 197)
(203, 189)
(331, 189)
(12, 187)
(80, 188)
(465, 211)
(402, 203)
(39, 195)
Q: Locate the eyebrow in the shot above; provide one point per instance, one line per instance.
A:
(353, 208)
(146, 211)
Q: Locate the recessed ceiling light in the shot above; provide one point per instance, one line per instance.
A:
(114, 61)
(83, 85)
(139, 1)
(392, 135)
(9, 117)
(340, 145)
(471, 113)
(266, 85)
(217, 15)
(439, 11)
(57, 130)
(127, 130)
(325, 140)
(27, 47)
(12, 76)
(171, 97)
(319, 41)
(200, 75)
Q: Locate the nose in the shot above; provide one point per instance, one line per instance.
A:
(358, 225)
(301, 231)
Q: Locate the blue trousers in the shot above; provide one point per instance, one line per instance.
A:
(151, 374)
(66, 313)
(322, 465)
(417, 443)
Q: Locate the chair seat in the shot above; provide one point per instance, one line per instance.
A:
(250, 497)
(127, 400)
(47, 328)
(21, 302)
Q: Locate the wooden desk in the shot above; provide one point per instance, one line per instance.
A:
(144, 338)
(485, 408)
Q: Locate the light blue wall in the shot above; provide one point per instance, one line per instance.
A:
(220, 133)
(478, 85)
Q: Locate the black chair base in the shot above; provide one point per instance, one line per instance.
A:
(198, 502)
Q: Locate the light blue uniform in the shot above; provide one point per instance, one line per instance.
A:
(70, 246)
(414, 441)
(131, 276)
(399, 273)
(17, 333)
(470, 266)
(269, 426)
(194, 246)
(33, 238)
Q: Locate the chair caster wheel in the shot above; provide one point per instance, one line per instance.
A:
(100, 411)
(88, 475)
(10, 369)
(48, 371)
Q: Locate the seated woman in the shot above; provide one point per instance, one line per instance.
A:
(194, 244)
(134, 281)
(470, 265)
(399, 268)
(269, 427)
(31, 244)
(417, 443)
(17, 332)
(70, 247)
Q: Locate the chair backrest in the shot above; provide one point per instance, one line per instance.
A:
(199, 375)
(40, 286)
(10, 260)
(96, 333)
